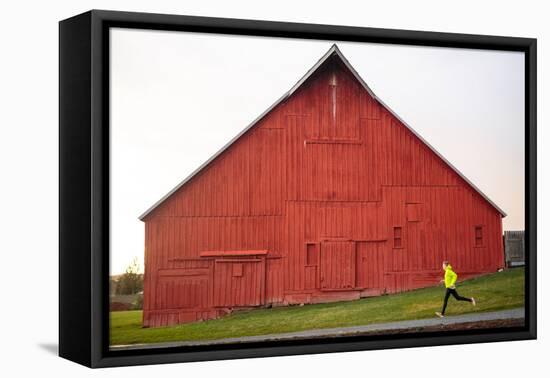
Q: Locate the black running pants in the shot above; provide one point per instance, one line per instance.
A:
(452, 292)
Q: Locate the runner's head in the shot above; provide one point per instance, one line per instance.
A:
(445, 264)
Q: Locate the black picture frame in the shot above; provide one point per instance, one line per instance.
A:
(84, 186)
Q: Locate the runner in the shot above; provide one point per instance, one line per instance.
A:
(450, 280)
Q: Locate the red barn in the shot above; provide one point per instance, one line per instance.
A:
(327, 196)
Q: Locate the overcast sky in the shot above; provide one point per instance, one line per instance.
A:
(177, 98)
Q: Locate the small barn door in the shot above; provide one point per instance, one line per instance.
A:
(239, 282)
(337, 265)
(370, 264)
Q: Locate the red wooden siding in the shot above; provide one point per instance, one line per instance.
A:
(328, 197)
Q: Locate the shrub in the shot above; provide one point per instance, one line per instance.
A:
(138, 303)
(119, 306)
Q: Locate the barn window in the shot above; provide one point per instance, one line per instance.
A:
(311, 254)
(478, 236)
(413, 212)
(237, 270)
(397, 237)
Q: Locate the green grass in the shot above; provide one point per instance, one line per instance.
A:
(492, 292)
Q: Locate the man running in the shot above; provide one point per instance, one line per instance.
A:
(450, 279)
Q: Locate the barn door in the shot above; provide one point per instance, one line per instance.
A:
(239, 282)
(337, 265)
(370, 264)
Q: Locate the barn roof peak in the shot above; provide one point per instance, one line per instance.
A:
(332, 51)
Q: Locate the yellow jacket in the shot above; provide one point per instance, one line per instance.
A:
(450, 277)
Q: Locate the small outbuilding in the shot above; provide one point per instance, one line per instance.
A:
(514, 248)
(327, 196)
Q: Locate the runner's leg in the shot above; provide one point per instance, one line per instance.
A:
(458, 297)
(447, 293)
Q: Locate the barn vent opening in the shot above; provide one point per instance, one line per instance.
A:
(332, 84)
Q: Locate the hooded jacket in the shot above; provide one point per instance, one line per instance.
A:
(450, 277)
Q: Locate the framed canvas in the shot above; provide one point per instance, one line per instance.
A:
(235, 188)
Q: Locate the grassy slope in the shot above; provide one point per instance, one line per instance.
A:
(492, 292)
